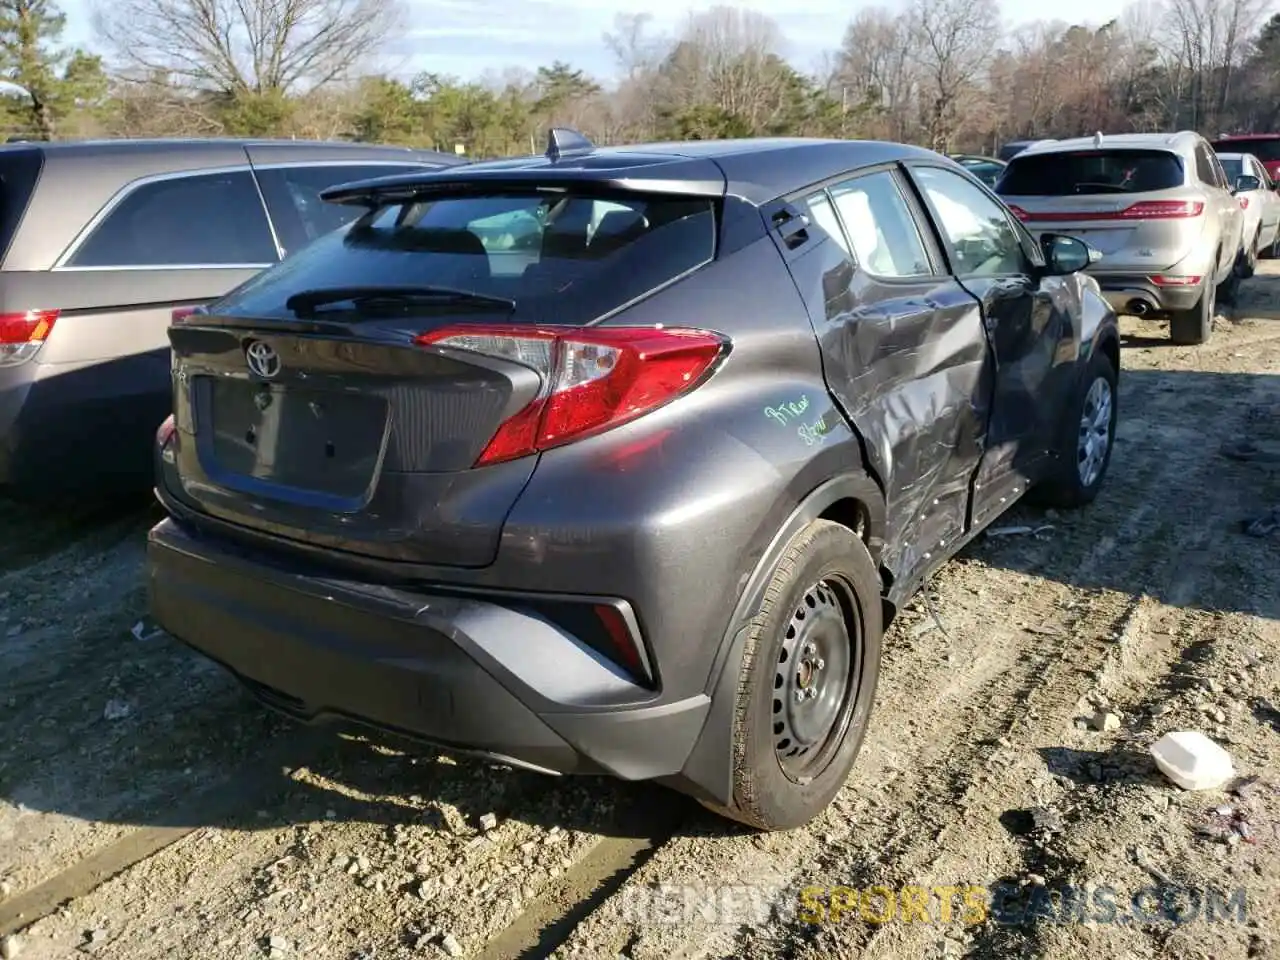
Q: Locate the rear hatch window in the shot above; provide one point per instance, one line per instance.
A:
(1266, 149)
(19, 171)
(1089, 172)
(325, 418)
(560, 259)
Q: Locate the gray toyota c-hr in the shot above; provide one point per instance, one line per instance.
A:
(621, 460)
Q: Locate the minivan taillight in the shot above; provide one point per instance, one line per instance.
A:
(22, 334)
(593, 378)
(182, 314)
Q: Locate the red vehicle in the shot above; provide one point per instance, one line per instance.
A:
(1264, 146)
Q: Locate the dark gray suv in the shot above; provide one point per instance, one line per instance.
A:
(100, 242)
(619, 460)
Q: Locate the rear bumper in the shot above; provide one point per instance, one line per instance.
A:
(473, 674)
(1136, 294)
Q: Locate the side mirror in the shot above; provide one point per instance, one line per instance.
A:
(1246, 183)
(1064, 255)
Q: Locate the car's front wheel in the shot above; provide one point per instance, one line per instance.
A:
(807, 681)
(1084, 451)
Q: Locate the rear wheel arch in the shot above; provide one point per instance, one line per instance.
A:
(853, 500)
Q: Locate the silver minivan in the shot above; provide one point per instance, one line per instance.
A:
(1158, 207)
(100, 241)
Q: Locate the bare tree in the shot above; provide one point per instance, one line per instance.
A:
(957, 39)
(238, 47)
(879, 65)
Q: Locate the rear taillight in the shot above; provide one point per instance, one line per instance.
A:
(164, 438)
(1146, 210)
(182, 314)
(1160, 280)
(22, 334)
(593, 378)
(1163, 210)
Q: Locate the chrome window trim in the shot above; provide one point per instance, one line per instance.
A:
(170, 266)
(126, 191)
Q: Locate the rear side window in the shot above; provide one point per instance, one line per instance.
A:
(293, 198)
(561, 258)
(1091, 172)
(1264, 148)
(1206, 168)
(19, 172)
(211, 219)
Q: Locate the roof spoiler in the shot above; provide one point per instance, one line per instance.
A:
(698, 179)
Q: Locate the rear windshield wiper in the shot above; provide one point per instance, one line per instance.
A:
(306, 300)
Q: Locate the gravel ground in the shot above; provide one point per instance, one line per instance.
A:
(150, 809)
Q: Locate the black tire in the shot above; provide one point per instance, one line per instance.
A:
(1247, 265)
(1067, 488)
(827, 578)
(1229, 287)
(1194, 326)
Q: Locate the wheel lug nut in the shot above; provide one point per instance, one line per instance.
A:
(810, 649)
(813, 693)
(821, 663)
(800, 695)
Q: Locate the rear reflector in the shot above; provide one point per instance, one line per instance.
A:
(1244, 203)
(1147, 210)
(1162, 281)
(22, 334)
(593, 378)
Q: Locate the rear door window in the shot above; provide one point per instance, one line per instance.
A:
(1082, 172)
(563, 259)
(881, 228)
(293, 198)
(197, 220)
(19, 173)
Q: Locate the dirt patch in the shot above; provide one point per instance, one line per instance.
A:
(984, 767)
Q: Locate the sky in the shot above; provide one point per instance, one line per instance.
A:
(467, 38)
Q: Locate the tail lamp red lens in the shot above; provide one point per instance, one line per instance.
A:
(22, 334)
(1160, 280)
(1146, 210)
(593, 378)
(183, 314)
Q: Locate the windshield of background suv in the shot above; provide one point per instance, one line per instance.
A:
(1264, 148)
(561, 258)
(1082, 172)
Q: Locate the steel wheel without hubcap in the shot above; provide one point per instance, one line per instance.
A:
(1095, 432)
(816, 679)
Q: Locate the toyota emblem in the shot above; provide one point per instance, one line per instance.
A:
(262, 359)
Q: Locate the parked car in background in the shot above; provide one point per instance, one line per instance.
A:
(100, 242)
(615, 460)
(1261, 204)
(1160, 209)
(1264, 146)
(1015, 147)
(986, 169)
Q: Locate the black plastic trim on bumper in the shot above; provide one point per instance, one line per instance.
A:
(1121, 291)
(466, 674)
